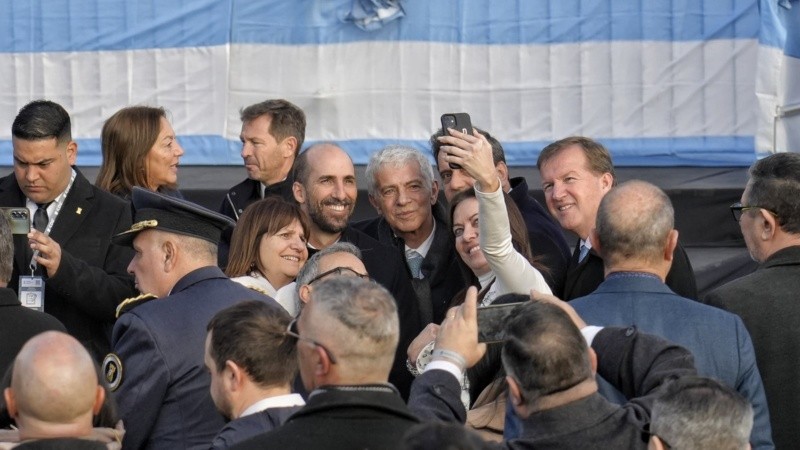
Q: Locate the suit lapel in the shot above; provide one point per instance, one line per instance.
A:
(76, 207)
(574, 271)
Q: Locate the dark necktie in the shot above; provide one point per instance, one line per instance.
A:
(40, 218)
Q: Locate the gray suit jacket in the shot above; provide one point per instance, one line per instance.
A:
(768, 301)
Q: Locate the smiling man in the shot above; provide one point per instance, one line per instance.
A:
(576, 173)
(325, 188)
(83, 273)
(404, 192)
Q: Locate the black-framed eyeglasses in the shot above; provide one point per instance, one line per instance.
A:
(345, 271)
(291, 330)
(737, 209)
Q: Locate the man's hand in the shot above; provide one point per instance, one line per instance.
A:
(474, 155)
(49, 251)
(459, 331)
(425, 337)
(553, 300)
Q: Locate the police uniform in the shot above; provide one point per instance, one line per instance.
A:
(157, 370)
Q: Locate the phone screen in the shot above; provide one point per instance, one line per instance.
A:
(492, 321)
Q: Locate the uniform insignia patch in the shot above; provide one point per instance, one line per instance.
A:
(112, 371)
(130, 303)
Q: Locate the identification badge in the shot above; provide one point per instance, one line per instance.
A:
(31, 292)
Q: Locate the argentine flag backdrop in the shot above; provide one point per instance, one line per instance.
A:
(660, 82)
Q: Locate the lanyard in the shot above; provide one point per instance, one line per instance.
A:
(59, 203)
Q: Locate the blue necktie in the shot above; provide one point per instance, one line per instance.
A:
(584, 252)
(414, 261)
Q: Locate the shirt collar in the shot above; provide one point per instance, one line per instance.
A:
(280, 401)
(426, 244)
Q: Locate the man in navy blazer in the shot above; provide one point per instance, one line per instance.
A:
(635, 236)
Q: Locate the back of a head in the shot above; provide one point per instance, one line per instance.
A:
(310, 269)
(42, 119)
(544, 351)
(634, 221)
(775, 186)
(6, 250)
(286, 119)
(696, 413)
(54, 380)
(253, 335)
(359, 321)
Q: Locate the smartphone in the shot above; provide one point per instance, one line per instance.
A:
(19, 219)
(492, 321)
(457, 121)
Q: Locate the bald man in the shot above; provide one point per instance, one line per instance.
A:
(54, 391)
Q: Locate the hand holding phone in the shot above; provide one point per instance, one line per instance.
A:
(456, 121)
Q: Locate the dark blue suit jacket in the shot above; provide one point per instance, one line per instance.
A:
(718, 339)
(163, 397)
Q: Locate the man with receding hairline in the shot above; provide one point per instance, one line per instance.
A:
(54, 392)
(636, 238)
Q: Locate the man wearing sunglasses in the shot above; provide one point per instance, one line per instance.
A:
(346, 337)
(766, 300)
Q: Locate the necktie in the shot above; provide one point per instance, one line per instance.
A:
(414, 261)
(584, 252)
(40, 219)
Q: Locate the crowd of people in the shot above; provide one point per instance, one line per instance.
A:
(277, 322)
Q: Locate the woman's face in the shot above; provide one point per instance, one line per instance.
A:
(282, 254)
(162, 160)
(465, 228)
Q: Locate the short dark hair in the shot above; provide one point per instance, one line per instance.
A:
(253, 335)
(597, 156)
(775, 186)
(544, 352)
(696, 413)
(42, 119)
(286, 119)
(498, 155)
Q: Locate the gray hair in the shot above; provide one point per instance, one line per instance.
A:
(6, 249)
(701, 413)
(633, 221)
(359, 318)
(310, 269)
(396, 156)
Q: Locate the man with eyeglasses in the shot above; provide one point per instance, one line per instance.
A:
(325, 187)
(346, 337)
(767, 299)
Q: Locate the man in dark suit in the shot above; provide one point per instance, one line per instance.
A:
(252, 366)
(404, 192)
(546, 238)
(576, 173)
(84, 272)
(325, 188)
(346, 338)
(273, 132)
(17, 323)
(550, 375)
(766, 300)
(635, 236)
(157, 370)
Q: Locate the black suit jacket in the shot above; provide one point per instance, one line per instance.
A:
(584, 277)
(442, 276)
(342, 417)
(92, 277)
(386, 266)
(18, 324)
(636, 363)
(767, 302)
(546, 238)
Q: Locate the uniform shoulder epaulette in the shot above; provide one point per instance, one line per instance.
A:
(130, 303)
(257, 289)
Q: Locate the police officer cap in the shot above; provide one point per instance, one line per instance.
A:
(152, 210)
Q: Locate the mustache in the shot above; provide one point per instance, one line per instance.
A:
(336, 202)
